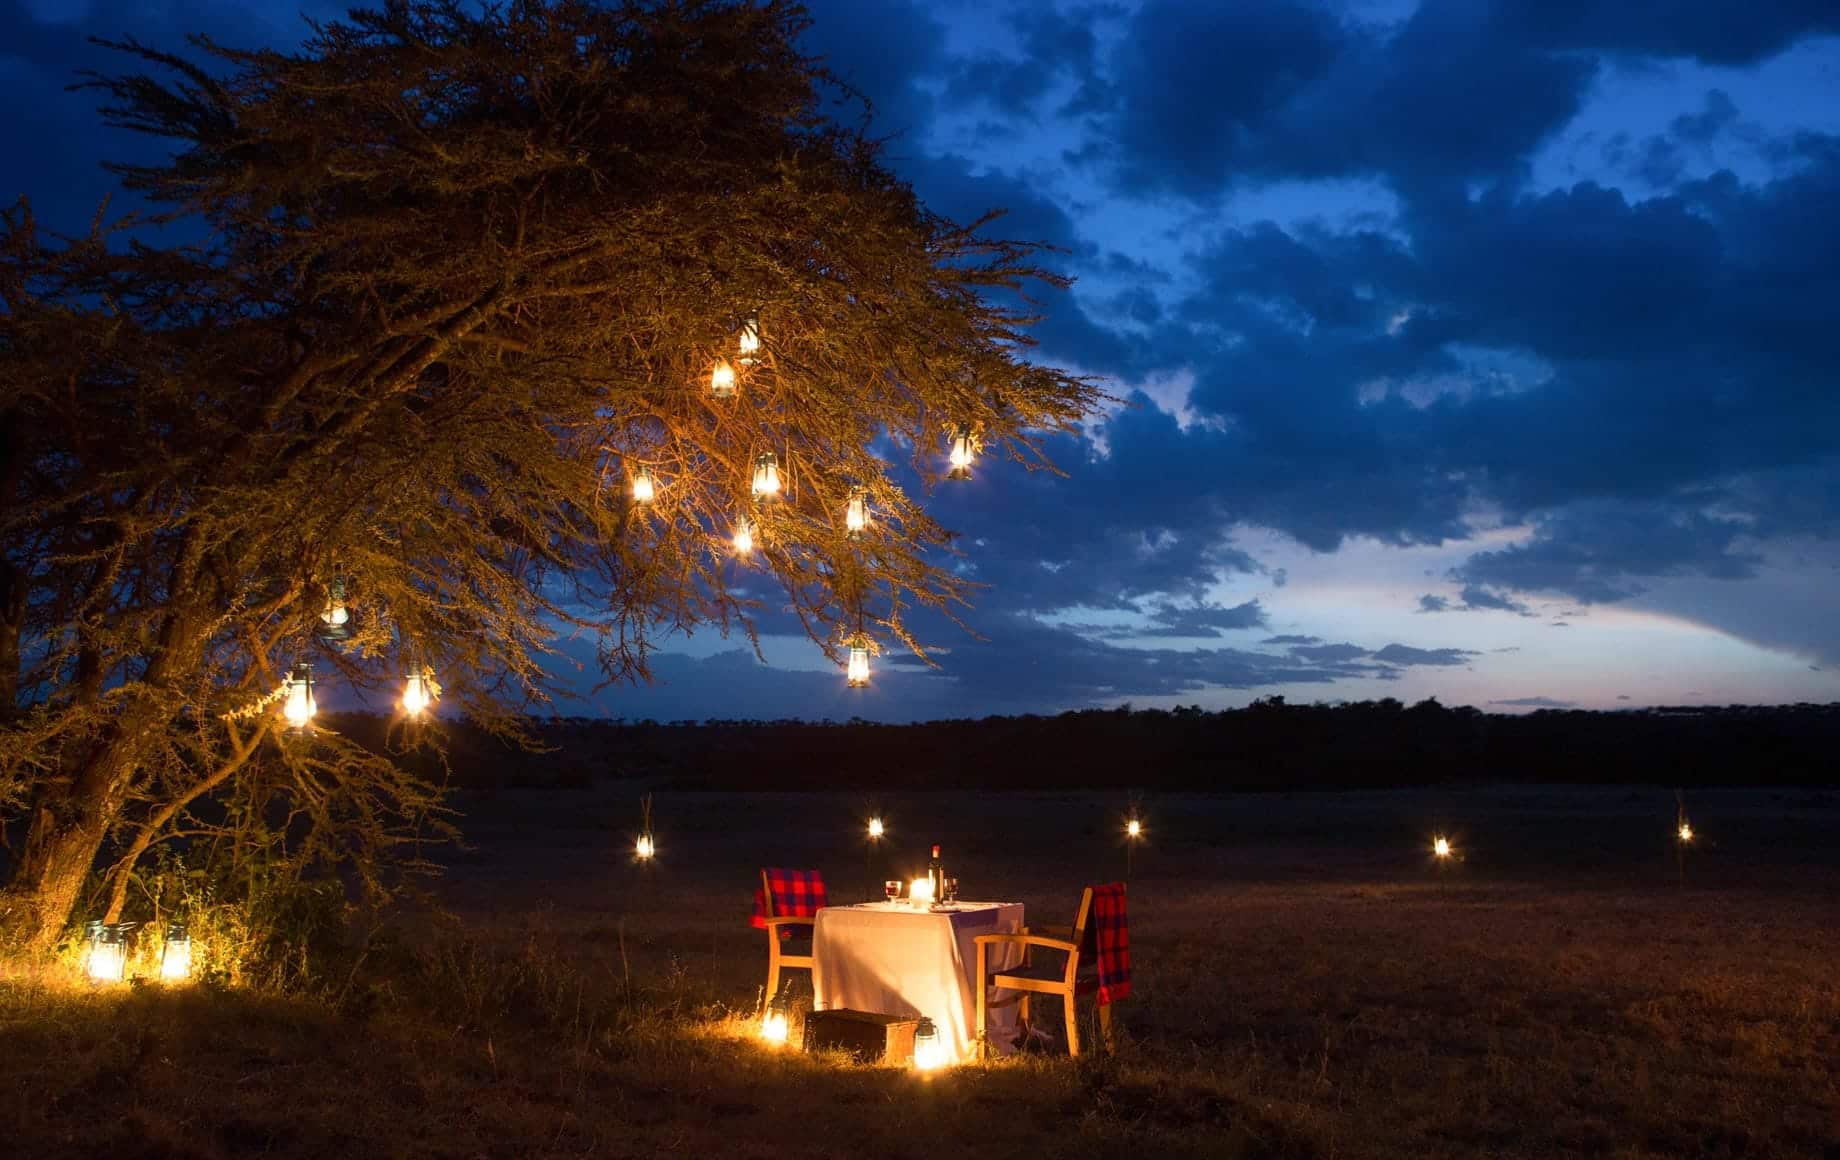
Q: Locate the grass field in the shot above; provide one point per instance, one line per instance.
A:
(1307, 984)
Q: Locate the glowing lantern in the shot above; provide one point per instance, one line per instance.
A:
(1133, 829)
(108, 951)
(929, 1049)
(962, 455)
(766, 475)
(416, 696)
(774, 1024)
(875, 828)
(858, 674)
(856, 514)
(643, 489)
(1686, 832)
(744, 536)
(722, 379)
(920, 892)
(299, 706)
(644, 848)
(748, 344)
(176, 955)
(335, 619)
(1441, 847)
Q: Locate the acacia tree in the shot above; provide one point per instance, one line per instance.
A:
(463, 276)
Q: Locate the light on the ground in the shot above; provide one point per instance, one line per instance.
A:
(107, 957)
(176, 956)
(773, 1026)
(1441, 847)
(875, 828)
(1133, 829)
(929, 1049)
(1686, 832)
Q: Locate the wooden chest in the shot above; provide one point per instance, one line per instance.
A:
(870, 1037)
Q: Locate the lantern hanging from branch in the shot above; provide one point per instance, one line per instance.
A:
(1685, 832)
(857, 675)
(1440, 846)
(176, 955)
(722, 379)
(748, 344)
(644, 490)
(417, 693)
(644, 849)
(298, 705)
(876, 830)
(1133, 829)
(744, 536)
(335, 618)
(106, 959)
(962, 455)
(856, 513)
(766, 475)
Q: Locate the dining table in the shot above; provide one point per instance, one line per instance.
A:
(896, 958)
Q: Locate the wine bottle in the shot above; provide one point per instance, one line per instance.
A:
(936, 876)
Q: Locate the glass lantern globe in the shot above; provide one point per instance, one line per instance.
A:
(335, 618)
(856, 514)
(858, 673)
(766, 475)
(176, 955)
(747, 344)
(962, 455)
(722, 379)
(298, 705)
(416, 695)
(106, 959)
(744, 536)
(644, 489)
(929, 1048)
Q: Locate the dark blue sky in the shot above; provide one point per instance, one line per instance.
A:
(1480, 350)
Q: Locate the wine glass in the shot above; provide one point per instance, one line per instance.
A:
(892, 890)
(951, 890)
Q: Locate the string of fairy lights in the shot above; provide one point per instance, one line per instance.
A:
(766, 483)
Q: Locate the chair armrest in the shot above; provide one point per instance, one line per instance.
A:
(1028, 940)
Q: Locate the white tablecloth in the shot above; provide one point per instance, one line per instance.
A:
(896, 960)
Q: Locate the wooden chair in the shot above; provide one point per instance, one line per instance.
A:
(783, 915)
(1076, 976)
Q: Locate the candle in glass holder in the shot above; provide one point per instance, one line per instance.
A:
(920, 891)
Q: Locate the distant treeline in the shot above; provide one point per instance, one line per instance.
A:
(1266, 746)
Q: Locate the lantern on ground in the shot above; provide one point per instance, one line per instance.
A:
(176, 955)
(775, 1023)
(335, 618)
(298, 705)
(856, 513)
(747, 344)
(722, 379)
(857, 676)
(1133, 829)
(417, 695)
(875, 829)
(744, 536)
(644, 490)
(929, 1048)
(1440, 847)
(106, 958)
(766, 475)
(1685, 833)
(644, 848)
(962, 455)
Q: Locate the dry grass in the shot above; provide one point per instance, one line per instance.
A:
(1306, 986)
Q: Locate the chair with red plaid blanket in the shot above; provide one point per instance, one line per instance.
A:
(786, 907)
(1098, 950)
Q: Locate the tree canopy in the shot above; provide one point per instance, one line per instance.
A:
(456, 278)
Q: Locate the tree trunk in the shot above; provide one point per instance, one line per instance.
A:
(60, 848)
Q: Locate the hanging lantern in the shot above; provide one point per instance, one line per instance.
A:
(875, 828)
(298, 706)
(766, 475)
(722, 379)
(929, 1049)
(856, 513)
(1133, 829)
(748, 344)
(744, 536)
(1440, 847)
(644, 489)
(107, 957)
(962, 455)
(1685, 832)
(335, 618)
(858, 672)
(417, 695)
(644, 848)
(176, 955)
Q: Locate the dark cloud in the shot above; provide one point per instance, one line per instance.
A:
(1537, 703)
(1405, 655)
(1433, 603)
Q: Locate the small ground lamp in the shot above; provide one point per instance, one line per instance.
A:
(1440, 847)
(962, 455)
(775, 1025)
(1133, 833)
(1685, 833)
(856, 514)
(107, 956)
(298, 705)
(766, 475)
(747, 344)
(644, 848)
(176, 955)
(722, 379)
(929, 1049)
(875, 829)
(335, 618)
(644, 489)
(744, 536)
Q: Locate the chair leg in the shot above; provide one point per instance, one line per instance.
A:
(1073, 1026)
(1105, 1026)
(772, 972)
(983, 1009)
(1022, 1012)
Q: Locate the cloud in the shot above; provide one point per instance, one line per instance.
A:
(1405, 655)
(1536, 703)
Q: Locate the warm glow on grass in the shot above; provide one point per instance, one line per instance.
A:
(773, 1028)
